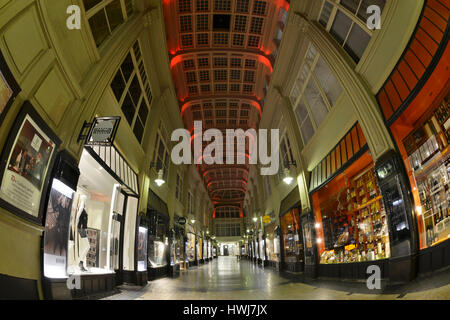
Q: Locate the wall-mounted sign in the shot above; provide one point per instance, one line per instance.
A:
(102, 131)
(26, 160)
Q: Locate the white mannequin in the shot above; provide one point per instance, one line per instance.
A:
(83, 243)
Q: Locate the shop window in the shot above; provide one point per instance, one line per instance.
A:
(292, 236)
(351, 221)
(131, 88)
(346, 21)
(426, 153)
(286, 156)
(83, 226)
(105, 16)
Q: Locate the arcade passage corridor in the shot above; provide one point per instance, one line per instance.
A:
(228, 279)
(225, 150)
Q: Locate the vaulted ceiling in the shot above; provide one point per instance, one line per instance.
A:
(222, 54)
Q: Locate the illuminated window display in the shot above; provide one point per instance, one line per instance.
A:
(272, 242)
(200, 248)
(142, 249)
(428, 151)
(191, 244)
(262, 246)
(351, 222)
(83, 227)
(292, 236)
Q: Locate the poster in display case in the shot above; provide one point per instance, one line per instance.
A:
(27, 157)
(9, 89)
(92, 257)
(57, 229)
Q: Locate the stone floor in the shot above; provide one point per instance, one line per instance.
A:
(226, 278)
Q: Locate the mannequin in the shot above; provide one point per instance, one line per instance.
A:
(81, 235)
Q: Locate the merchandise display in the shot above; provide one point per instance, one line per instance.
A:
(428, 150)
(191, 246)
(272, 240)
(157, 254)
(292, 236)
(351, 218)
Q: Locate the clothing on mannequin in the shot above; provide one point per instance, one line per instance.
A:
(83, 246)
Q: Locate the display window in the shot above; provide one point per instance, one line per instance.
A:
(292, 236)
(190, 246)
(426, 154)
(83, 227)
(272, 242)
(351, 223)
(262, 246)
(158, 245)
(200, 248)
(205, 249)
(142, 249)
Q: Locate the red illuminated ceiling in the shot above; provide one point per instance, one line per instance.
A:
(222, 54)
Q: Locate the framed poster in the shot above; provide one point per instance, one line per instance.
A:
(27, 158)
(9, 89)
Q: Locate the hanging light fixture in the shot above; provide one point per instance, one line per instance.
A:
(160, 180)
(287, 172)
(287, 176)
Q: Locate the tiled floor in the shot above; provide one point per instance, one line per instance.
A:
(227, 279)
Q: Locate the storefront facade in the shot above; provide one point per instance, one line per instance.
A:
(272, 242)
(191, 254)
(90, 229)
(158, 246)
(417, 118)
(291, 240)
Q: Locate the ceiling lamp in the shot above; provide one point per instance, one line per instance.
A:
(160, 180)
(287, 176)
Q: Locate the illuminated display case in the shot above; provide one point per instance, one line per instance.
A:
(351, 219)
(292, 236)
(428, 153)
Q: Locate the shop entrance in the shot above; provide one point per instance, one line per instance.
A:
(225, 251)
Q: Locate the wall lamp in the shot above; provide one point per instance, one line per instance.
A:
(160, 179)
(287, 172)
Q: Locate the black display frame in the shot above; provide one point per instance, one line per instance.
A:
(12, 84)
(28, 110)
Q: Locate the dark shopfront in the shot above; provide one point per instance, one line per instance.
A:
(291, 242)
(157, 221)
(179, 244)
(98, 202)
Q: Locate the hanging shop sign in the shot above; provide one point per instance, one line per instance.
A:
(102, 131)
(267, 219)
(9, 88)
(27, 157)
(182, 221)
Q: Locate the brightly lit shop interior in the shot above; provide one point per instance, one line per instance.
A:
(292, 236)
(98, 208)
(272, 242)
(190, 245)
(351, 222)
